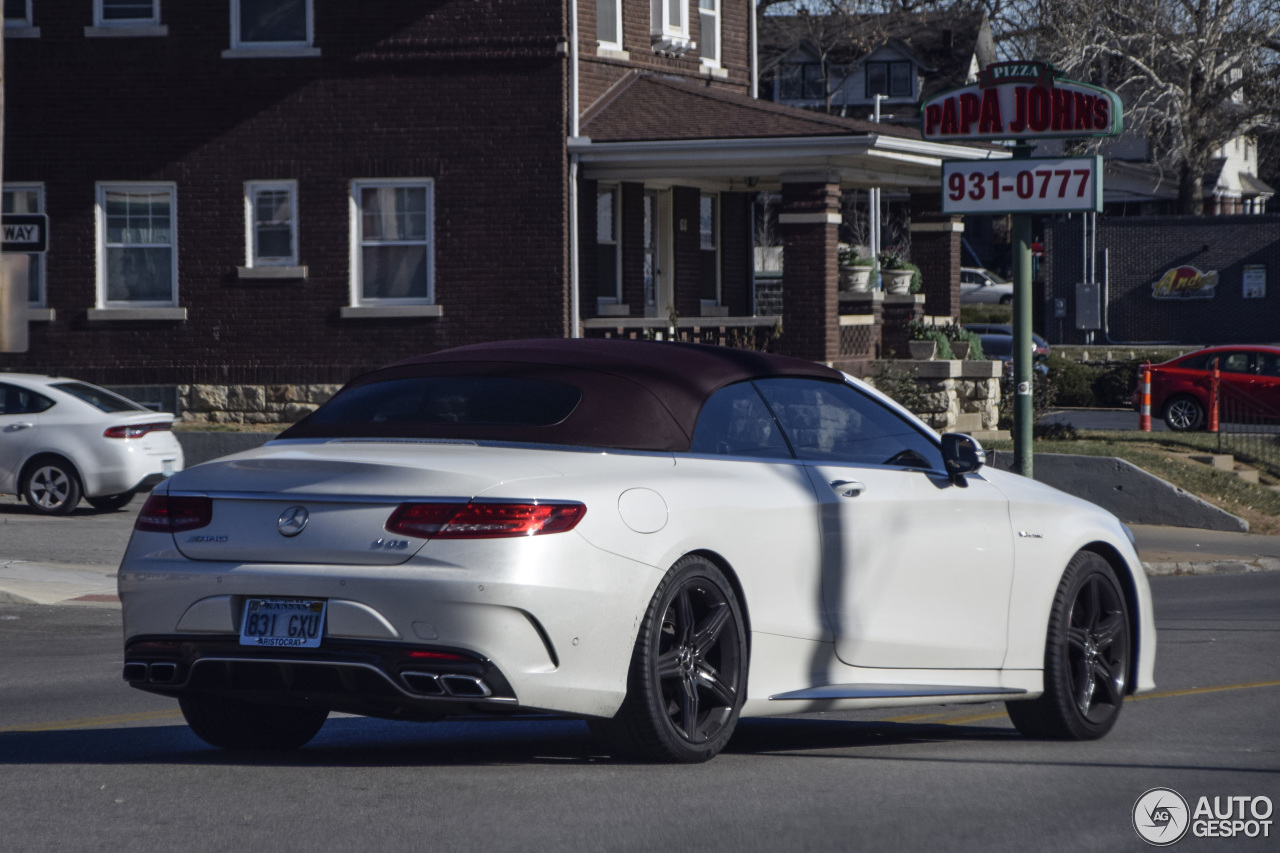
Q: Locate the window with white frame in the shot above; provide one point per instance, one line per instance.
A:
(609, 23)
(108, 13)
(608, 258)
(28, 198)
(391, 242)
(137, 245)
(709, 249)
(669, 23)
(270, 24)
(709, 34)
(271, 219)
(17, 13)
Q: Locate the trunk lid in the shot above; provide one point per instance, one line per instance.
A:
(328, 502)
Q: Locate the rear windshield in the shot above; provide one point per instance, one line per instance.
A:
(451, 400)
(100, 398)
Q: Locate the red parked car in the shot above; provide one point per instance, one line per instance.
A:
(1250, 378)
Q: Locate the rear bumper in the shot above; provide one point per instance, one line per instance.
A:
(374, 679)
(554, 618)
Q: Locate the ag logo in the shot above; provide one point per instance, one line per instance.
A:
(1160, 817)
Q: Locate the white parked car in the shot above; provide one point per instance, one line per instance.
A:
(62, 439)
(656, 537)
(980, 285)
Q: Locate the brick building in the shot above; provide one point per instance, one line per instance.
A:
(268, 191)
(1188, 280)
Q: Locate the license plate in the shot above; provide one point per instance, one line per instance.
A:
(286, 622)
(166, 467)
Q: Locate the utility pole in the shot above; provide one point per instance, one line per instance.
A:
(873, 205)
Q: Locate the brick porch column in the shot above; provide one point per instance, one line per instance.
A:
(935, 248)
(809, 221)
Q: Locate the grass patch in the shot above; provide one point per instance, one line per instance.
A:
(1164, 455)
(983, 312)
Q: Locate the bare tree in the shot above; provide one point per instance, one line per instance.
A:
(1194, 74)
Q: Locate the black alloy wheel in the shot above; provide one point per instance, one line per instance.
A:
(52, 487)
(688, 673)
(230, 723)
(1087, 657)
(1183, 414)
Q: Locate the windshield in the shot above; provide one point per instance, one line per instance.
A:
(99, 398)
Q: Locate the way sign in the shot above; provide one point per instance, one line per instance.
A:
(26, 232)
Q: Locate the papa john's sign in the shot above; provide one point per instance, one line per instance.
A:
(1021, 100)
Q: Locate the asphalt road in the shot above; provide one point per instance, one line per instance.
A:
(1104, 419)
(87, 763)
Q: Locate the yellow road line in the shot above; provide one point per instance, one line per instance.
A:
(89, 722)
(144, 716)
(911, 718)
(1190, 691)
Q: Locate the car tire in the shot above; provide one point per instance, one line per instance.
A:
(1006, 300)
(1087, 657)
(111, 503)
(688, 673)
(1183, 413)
(230, 723)
(51, 486)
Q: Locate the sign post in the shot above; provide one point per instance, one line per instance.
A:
(1022, 102)
(23, 233)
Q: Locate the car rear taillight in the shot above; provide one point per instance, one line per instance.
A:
(135, 430)
(173, 514)
(483, 520)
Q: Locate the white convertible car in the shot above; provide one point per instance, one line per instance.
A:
(656, 537)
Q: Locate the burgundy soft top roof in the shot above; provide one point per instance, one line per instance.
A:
(636, 395)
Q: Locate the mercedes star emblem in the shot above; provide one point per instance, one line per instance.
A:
(293, 521)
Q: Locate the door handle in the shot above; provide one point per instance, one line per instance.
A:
(848, 488)
(16, 427)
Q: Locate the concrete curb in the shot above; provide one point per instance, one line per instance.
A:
(1222, 567)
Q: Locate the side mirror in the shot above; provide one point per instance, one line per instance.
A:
(962, 455)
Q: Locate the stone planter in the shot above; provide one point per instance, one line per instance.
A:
(855, 279)
(923, 350)
(961, 349)
(897, 281)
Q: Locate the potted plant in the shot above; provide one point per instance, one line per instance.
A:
(855, 269)
(899, 275)
(926, 341)
(958, 339)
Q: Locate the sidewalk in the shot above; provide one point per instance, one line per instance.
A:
(1164, 551)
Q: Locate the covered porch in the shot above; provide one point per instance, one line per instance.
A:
(667, 174)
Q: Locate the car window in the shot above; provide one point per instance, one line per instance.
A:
(1268, 364)
(1195, 362)
(1234, 362)
(834, 422)
(20, 401)
(99, 398)
(735, 422)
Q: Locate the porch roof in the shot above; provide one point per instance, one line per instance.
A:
(656, 129)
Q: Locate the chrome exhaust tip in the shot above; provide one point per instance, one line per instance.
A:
(465, 686)
(135, 672)
(427, 683)
(162, 673)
